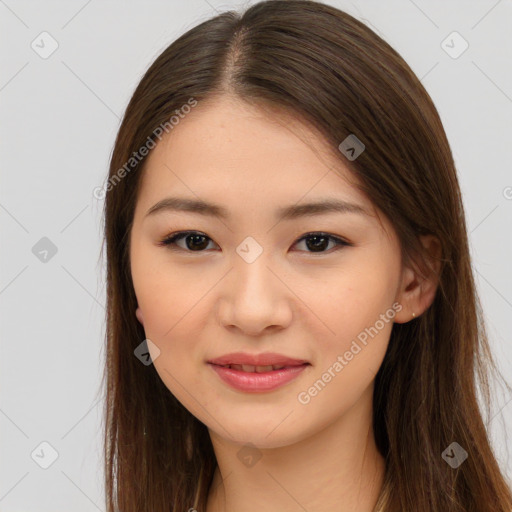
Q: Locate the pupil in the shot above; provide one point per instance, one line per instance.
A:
(316, 244)
(195, 239)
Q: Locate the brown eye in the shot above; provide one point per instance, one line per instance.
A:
(194, 241)
(198, 242)
(318, 242)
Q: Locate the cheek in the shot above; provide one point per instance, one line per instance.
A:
(349, 359)
(175, 307)
(166, 296)
(354, 299)
(358, 313)
(172, 320)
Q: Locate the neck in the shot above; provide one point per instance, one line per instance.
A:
(338, 468)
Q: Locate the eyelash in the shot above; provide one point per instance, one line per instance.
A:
(170, 241)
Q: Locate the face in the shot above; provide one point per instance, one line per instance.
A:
(320, 289)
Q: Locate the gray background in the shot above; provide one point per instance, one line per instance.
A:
(60, 115)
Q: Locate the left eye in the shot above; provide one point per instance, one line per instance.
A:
(319, 241)
(197, 242)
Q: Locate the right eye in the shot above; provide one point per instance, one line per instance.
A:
(194, 241)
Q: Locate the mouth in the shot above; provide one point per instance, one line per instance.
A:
(257, 378)
(248, 362)
(249, 368)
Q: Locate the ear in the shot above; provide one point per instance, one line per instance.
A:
(419, 285)
(138, 314)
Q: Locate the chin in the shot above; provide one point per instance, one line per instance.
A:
(259, 434)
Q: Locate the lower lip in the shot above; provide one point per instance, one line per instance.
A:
(256, 382)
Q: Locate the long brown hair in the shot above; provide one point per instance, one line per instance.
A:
(339, 76)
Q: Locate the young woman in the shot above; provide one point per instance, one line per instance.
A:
(292, 317)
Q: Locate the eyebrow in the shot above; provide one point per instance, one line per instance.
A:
(320, 207)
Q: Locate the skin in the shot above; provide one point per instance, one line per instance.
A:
(201, 304)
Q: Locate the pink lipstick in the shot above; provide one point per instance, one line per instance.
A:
(257, 373)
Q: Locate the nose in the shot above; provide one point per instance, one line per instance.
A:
(255, 298)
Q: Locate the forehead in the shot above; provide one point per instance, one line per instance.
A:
(248, 155)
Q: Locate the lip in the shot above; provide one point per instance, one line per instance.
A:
(264, 359)
(255, 382)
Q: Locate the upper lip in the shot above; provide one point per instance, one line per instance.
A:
(265, 359)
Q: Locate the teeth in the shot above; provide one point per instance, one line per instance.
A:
(261, 369)
(254, 369)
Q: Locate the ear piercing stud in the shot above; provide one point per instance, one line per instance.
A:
(413, 315)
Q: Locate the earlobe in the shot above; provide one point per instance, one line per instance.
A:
(407, 297)
(420, 285)
(138, 314)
